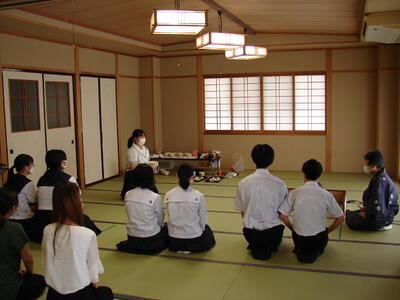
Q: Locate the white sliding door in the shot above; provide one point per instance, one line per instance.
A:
(60, 125)
(24, 114)
(91, 129)
(109, 127)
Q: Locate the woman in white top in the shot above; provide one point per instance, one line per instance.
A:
(137, 154)
(187, 212)
(26, 191)
(70, 253)
(147, 233)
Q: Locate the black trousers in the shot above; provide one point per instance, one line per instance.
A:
(87, 293)
(356, 222)
(263, 242)
(150, 245)
(202, 243)
(32, 287)
(45, 217)
(308, 248)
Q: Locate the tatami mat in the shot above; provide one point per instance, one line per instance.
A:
(355, 265)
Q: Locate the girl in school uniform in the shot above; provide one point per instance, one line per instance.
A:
(26, 192)
(14, 245)
(147, 233)
(56, 161)
(187, 211)
(137, 154)
(70, 253)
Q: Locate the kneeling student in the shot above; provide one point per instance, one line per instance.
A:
(309, 204)
(147, 233)
(258, 199)
(187, 211)
(379, 199)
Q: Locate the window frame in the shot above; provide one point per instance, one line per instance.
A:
(262, 131)
(25, 113)
(57, 113)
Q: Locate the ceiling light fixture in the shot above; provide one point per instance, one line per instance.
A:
(246, 53)
(187, 22)
(220, 40)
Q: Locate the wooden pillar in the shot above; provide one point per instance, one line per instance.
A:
(328, 136)
(3, 133)
(78, 121)
(200, 102)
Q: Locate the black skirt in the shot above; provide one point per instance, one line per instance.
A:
(29, 227)
(150, 245)
(199, 244)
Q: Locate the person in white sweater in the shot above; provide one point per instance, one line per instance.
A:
(187, 211)
(70, 253)
(147, 233)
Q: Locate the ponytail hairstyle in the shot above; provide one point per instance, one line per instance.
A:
(8, 200)
(20, 162)
(67, 206)
(184, 173)
(135, 134)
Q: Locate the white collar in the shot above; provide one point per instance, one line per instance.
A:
(263, 171)
(311, 182)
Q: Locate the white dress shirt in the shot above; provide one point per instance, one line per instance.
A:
(45, 195)
(76, 262)
(28, 195)
(259, 197)
(145, 212)
(187, 213)
(137, 155)
(309, 204)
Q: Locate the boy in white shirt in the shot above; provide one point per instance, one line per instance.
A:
(258, 199)
(309, 204)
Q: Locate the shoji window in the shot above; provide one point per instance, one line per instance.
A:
(310, 102)
(217, 95)
(57, 102)
(278, 102)
(292, 103)
(246, 103)
(24, 105)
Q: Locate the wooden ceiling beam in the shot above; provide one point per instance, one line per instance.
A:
(22, 3)
(229, 15)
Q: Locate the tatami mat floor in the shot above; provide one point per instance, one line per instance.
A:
(355, 265)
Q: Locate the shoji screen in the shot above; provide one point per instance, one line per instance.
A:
(91, 129)
(99, 118)
(109, 127)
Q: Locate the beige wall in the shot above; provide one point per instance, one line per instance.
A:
(128, 65)
(18, 51)
(96, 61)
(180, 114)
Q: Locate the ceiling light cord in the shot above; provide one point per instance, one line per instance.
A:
(220, 20)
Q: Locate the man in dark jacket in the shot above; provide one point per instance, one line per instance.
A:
(379, 199)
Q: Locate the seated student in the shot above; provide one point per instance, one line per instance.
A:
(56, 161)
(70, 253)
(147, 233)
(15, 283)
(258, 199)
(379, 199)
(26, 191)
(309, 204)
(187, 211)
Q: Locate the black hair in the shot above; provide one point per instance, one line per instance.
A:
(20, 162)
(184, 173)
(54, 158)
(135, 134)
(312, 169)
(8, 199)
(143, 177)
(263, 155)
(374, 158)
